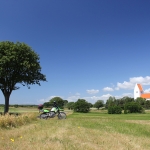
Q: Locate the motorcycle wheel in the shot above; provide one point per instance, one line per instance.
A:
(43, 116)
(62, 115)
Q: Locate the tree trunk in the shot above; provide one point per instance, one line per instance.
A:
(6, 108)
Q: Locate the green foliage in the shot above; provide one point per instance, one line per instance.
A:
(81, 106)
(133, 107)
(110, 102)
(98, 104)
(58, 100)
(70, 105)
(90, 105)
(18, 64)
(127, 99)
(46, 104)
(65, 103)
(147, 104)
(16, 105)
(141, 101)
(118, 102)
(114, 110)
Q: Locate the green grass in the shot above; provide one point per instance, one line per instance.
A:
(96, 130)
(116, 123)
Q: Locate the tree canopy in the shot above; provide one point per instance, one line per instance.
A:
(81, 106)
(18, 64)
(58, 100)
(98, 104)
(70, 105)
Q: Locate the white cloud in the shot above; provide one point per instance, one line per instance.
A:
(77, 94)
(132, 81)
(147, 90)
(73, 98)
(116, 88)
(106, 96)
(41, 101)
(142, 80)
(125, 85)
(109, 89)
(93, 99)
(127, 94)
(92, 91)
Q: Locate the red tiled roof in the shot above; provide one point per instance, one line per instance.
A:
(140, 87)
(145, 95)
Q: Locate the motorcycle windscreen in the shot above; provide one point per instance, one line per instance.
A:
(54, 109)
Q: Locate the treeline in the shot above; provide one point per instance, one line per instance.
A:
(19, 105)
(127, 104)
(113, 105)
(112, 101)
(80, 106)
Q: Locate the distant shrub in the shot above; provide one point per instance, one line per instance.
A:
(81, 106)
(103, 108)
(70, 105)
(133, 107)
(114, 110)
(16, 106)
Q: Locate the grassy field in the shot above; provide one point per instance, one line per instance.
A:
(96, 130)
(20, 109)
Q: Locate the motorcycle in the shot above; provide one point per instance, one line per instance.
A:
(55, 111)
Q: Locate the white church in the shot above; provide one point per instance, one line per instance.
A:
(139, 92)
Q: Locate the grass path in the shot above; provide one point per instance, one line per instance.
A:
(92, 131)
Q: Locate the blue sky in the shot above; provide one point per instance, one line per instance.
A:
(89, 49)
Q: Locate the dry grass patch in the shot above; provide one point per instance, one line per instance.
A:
(144, 122)
(10, 121)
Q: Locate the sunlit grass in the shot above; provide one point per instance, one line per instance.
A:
(10, 121)
(91, 131)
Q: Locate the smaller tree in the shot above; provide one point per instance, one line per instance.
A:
(114, 110)
(127, 99)
(16, 105)
(141, 101)
(46, 104)
(65, 103)
(70, 105)
(98, 104)
(110, 102)
(147, 104)
(90, 105)
(133, 107)
(59, 101)
(81, 106)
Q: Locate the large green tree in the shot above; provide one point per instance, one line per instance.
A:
(18, 64)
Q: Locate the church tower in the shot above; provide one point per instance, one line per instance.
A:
(138, 91)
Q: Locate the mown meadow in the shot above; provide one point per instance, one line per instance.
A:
(96, 130)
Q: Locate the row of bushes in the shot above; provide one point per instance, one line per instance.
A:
(131, 107)
(17, 105)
